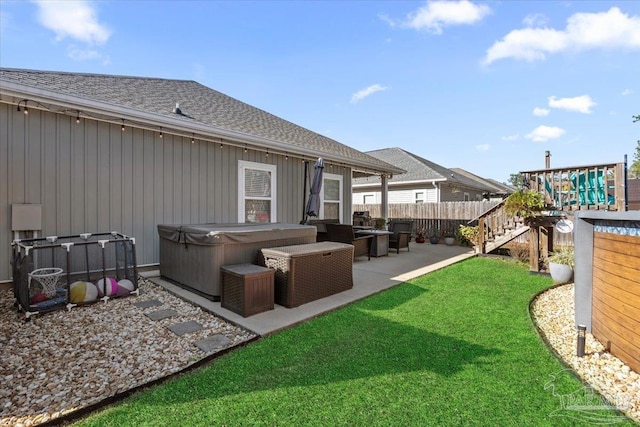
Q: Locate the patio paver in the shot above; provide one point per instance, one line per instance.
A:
(148, 303)
(185, 327)
(161, 314)
(213, 343)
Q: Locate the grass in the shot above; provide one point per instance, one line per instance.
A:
(456, 347)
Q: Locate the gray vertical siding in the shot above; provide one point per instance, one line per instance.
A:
(92, 177)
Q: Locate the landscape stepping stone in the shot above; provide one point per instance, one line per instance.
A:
(185, 327)
(213, 343)
(148, 303)
(161, 314)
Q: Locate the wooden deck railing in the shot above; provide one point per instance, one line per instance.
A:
(494, 224)
(596, 187)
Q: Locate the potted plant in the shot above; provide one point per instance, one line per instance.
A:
(561, 263)
(420, 235)
(434, 236)
(449, 237)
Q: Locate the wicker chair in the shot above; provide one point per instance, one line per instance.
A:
(321, 227)
(401, 235)
(343, 233)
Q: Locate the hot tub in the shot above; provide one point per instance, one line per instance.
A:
(191, 255)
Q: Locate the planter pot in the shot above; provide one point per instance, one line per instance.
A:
(419, 239)
(560, 273)
(449, 241)
(434, 240)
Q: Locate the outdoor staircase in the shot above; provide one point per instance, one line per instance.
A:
(496, 229)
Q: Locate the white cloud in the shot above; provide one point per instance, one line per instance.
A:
(540, 112)
(535, 20)
(361, 94)
(627, 92)
(74, 19)
(511, 137)
(483, 147)
(579, 104)
(611, 29)
(545, 133)
(78, 54)
(436, 15)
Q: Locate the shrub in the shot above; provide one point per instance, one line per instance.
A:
(524, 203)
(468, 235)
(563, 256)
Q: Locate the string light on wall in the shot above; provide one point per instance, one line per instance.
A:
(193, 138)
(122, 128)
(78, 117)
(245, 148)
(161, 135)
(286, 156)
(267, 153)
(26, 109)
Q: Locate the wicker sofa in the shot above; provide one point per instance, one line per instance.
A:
(343, 233)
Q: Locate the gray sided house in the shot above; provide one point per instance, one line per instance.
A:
(94, 153)
(423, 182)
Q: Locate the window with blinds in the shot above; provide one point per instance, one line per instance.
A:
(257, 183)
(331, 197)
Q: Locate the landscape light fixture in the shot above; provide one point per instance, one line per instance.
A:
(582, 332)
(26, 109)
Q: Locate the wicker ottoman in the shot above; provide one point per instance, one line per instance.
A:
(247, 289)
(309, 272)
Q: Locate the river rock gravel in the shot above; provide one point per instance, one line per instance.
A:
(553, 312)
(62, 361)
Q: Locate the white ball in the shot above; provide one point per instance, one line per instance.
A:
(80, 292)
(125, 287)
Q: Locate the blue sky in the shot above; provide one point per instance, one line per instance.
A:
(485, 86)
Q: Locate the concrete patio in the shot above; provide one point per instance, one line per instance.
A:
(369, 277)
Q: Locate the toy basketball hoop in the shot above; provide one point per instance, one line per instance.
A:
(47, 278)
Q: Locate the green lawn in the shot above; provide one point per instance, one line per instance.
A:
(455, 347)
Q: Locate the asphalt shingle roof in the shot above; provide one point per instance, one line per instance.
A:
(198, 103)
(418, 169)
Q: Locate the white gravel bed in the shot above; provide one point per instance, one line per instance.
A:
(63, 361)
(553, 312)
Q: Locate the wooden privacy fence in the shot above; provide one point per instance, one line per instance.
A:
(445, 216)
(436, 218)
(444, 210)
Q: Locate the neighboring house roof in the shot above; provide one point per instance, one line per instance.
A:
(151, 101)
(418, 170)
(497, 187)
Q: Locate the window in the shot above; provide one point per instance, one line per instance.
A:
(257, 192)
(331, 197)
(466, 197)
(419, 197)
(369, 199)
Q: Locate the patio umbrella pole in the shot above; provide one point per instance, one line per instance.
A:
(304, 192)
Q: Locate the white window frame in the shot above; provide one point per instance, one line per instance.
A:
(466, 197)
(364, 198)
(335, 177)
(422, 194)
(242, 166)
